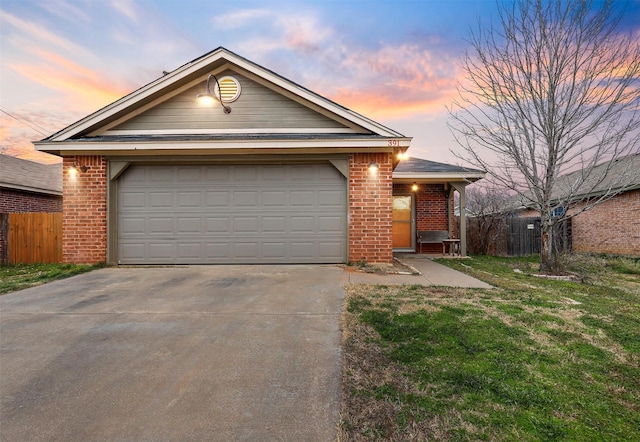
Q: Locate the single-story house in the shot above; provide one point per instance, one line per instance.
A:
(27, 186)
(265, 171)
(611, 226)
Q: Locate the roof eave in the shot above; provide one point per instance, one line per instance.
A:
(438, 176)
(117, 147)
(30, 189)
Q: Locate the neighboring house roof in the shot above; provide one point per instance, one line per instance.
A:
(620, 174)
(19, 174)
(419, 169)
(99, 129)
(610, 177)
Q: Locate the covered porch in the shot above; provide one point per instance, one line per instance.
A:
(423, 207)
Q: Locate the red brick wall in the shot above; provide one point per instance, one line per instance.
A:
(431, 209)
(370, 208)
(611, 227)
(19, 201)
(84, 223)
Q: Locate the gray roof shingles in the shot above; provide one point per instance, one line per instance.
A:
(19, 174)
(418, 165)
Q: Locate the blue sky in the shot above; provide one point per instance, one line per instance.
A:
(392, 61)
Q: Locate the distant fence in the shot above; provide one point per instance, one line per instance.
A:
(513, 236)
(28, 238)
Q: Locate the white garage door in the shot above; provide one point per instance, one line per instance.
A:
(209, 214)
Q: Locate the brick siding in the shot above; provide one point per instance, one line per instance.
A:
(431, 209)
(612, 227)
(19, 201)
(370, 203)
(84, 223)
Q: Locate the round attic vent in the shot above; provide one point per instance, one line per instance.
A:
(229, 89)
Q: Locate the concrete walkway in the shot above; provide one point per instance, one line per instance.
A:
(432, 273)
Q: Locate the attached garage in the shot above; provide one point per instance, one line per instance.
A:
(224, 161)
(209, 214)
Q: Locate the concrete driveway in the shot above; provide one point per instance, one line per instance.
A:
(183, 353)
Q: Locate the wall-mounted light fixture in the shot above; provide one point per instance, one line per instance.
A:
(414, 187)
(207, 98)
(402, 156)
(74, 170)
(373, 167)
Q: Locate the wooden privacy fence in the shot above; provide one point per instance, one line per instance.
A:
(515, 236)
(31, 238)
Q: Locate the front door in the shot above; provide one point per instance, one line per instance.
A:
(402, 222)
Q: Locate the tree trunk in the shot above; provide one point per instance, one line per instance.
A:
(545, 248)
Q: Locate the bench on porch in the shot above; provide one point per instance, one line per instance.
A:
(436, 237)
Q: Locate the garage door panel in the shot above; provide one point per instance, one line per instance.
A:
(132, 200)
(187, 174)
(189, 199)
(245, 198)
(217, 251)
(330, 198)
(274, 250)
(129, 226)
(218, 198)
(331, 224)
(189, 251)
(189, 226)
(232, 214)
(161, 251)
(217, 225)
(274, 224)
(303, 198)
(274, 199)
(245, 224)
(160, 226)
(162, 200)
(246, 250)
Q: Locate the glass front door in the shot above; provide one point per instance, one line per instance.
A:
(402, 222)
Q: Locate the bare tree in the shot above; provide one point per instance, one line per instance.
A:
(487, 207)
(554, 89)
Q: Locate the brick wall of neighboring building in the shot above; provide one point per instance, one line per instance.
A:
(84, 224)
(611, 227)
(431, 209)
(370, 202)
(19, 201)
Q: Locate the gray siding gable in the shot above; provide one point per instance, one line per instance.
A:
(258, 109)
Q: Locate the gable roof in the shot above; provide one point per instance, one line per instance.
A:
(610, 176)
(193, 72)
(19, 174)
(607, 178)
(419, 169)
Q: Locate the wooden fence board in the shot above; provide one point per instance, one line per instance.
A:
(34, 238)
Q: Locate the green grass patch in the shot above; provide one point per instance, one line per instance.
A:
(22, 276)
(531, 360)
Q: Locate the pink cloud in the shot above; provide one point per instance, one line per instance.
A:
(85, 89)
(395, 81)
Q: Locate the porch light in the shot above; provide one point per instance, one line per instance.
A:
(414, 187)
(373, 167)
(207, 98)
(402, 156)
(75, 169)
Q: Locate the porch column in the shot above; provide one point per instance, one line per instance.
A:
(460, 187)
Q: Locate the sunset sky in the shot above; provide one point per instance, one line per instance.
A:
(393, 61)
